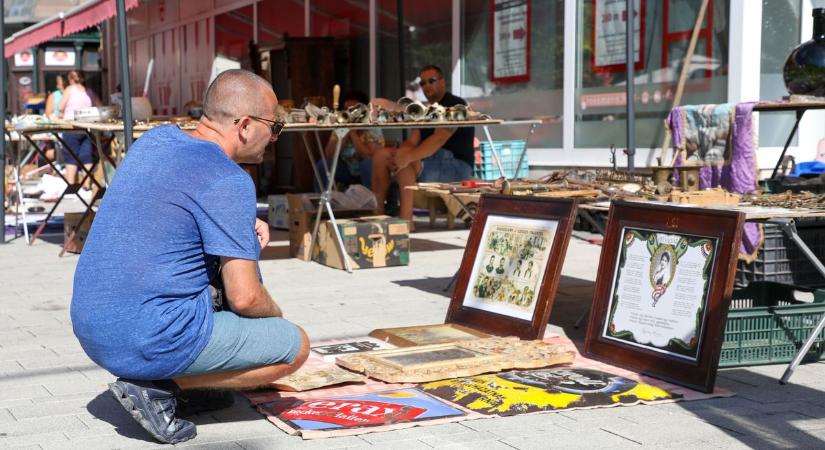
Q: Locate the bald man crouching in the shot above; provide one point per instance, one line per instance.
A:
(178, 218)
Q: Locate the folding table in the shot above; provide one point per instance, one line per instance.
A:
(340, 131)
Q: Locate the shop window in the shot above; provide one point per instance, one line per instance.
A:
(427, 39)
(233, 34)
(780, 34)
(516, 91)
(663, 30)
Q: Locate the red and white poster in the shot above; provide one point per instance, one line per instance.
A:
(510, 41)
(610, 35)
(56, 56)
(24, 59)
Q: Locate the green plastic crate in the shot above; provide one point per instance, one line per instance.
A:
(768, 323)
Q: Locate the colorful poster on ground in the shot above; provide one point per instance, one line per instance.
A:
(509, 267)
(511, 41)
(610, 35)
(368, 410)
(530, 391)
(660, 291)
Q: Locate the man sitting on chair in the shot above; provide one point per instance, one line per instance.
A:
(440, 154)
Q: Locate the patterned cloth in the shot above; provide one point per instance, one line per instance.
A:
(723, 138)
(351, 158)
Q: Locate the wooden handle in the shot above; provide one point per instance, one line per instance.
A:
(336, 94)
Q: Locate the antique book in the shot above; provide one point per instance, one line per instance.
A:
(458, 359)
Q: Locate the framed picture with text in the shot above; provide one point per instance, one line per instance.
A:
(663, 290)
(512, 264)
(510, 41)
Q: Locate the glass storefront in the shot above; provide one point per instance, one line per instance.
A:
(780, 34)
(663, 33)
(540, 95)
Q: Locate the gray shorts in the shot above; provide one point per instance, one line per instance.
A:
(244, 343)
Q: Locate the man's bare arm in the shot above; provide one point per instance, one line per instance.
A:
(244, 293)
(426, 148)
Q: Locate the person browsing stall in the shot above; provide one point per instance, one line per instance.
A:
(357, 149)
(76, 96)
(178, 218)
(428, 154)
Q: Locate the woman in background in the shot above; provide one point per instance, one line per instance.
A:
(53, 112)
(75, 97)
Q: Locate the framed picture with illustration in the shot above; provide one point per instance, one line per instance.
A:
(511, 265)
(663, 290)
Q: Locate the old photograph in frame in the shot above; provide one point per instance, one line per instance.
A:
(512, 264)
(663, 289)
(427, 334)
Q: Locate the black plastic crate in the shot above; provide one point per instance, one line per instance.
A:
(795, 184)
(781, 260)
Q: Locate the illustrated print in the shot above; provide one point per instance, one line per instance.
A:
(663, 261)
(490, 264)
(529, 272)
(500, 268)
(517, 271)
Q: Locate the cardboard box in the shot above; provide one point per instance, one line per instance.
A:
(70, 223)
(374, 241)
(278, 212)
(301, 212)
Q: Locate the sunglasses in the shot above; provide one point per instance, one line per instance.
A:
(432, 80)
(275, 126)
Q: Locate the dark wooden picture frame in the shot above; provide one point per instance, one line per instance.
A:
(563, 211)
(721, 233)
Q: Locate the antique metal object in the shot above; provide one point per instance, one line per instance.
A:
(689, 178)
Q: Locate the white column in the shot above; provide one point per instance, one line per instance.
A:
(373, 48)
(307, 18)
(812, 125)
(569, 83)
(745, 50)
(255, 21)
(455, 85)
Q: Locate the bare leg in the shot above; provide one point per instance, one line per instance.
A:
(407, 177)
(71, 173)
(380, 178)
(88, 184)
(245, 378)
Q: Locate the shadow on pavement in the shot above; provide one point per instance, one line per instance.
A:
(764, 414)
(430, 285)
(107, 409)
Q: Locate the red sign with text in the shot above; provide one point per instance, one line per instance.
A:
(353, 413)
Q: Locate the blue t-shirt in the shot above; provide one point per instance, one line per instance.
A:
(141, 306)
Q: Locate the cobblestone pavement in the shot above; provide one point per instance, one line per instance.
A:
(53, 396)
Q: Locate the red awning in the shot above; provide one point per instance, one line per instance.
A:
(69, 22)
(33, 35)
(91, 14)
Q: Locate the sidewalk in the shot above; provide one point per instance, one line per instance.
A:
(53, 396)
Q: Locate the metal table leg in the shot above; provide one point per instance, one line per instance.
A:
(493, 149)
(472, 217)
(799, 114)
(325, 203)
(789, 227)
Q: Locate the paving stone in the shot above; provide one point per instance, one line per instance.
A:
(415, 433)
(36, 426)
(567, 440)
(22, 392)
(470, 436)
(45, 439)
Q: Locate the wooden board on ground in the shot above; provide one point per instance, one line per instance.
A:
(427, 334)
(459, 359)
(706, 197)
(305, 379)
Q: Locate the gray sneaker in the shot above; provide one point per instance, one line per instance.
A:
(154, 409)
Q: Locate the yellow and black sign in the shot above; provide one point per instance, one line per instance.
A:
(528, 391)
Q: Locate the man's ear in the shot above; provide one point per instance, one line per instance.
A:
(243, 127)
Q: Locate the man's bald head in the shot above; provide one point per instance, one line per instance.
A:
(235, 93)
